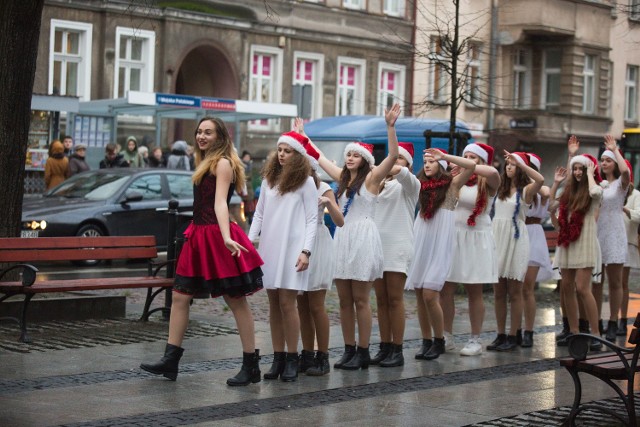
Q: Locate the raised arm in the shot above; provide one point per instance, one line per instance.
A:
(327, 165)
(536, 177)
(611, 145)
(558, 177)
(467, 166)
(492, 175)
(573, 145)
(380, 172)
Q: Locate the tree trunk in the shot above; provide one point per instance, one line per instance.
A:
(19, 34)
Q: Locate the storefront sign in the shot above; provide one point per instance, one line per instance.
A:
(177, 100)
(218, 104)
(522, 124)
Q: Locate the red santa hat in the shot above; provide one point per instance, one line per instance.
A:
(405, 150)
(586, 160)
(535, 160)
(484, 151)
(364, 149)
(521, 157)
(630, 170)
(443, 162)
(312, 155)
(295, 141)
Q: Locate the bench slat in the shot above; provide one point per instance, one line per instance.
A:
(45, 286)
(88, 252)
(11, 243)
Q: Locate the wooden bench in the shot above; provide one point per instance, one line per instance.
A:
(616, 365)
(46, 249)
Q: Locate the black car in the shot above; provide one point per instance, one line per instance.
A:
(109, 202)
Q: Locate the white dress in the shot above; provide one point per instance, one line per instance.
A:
(538, 249)
(512, 252)
(357, 243)
(631, 223)
(322, 264)
(395, 211)
(611, 229)
(286, 224)
(433, 240)
(474, 249)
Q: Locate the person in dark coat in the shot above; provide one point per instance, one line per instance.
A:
(113, 159)
(77, 162)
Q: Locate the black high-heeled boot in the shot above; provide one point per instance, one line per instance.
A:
(360, 360)
(622, 327)
(249, 372)
(601, 327)
(168, 364)
(510, 344)
(290, 372)
(565, 329)
(583, 326)
(612, 331)
(500, 339)
(382, 354)
(527, 339)
(437, 348)
(349, 352)
(305, 361)
(321, 367)
(276, 367)
(519, 337)
(426, 345)
(395, 358)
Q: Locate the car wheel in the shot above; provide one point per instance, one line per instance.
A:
(89, 230)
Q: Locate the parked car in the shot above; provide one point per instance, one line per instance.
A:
(109, 202)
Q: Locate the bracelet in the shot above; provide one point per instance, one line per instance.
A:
(307, 253)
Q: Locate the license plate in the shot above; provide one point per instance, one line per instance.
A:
(29, 233)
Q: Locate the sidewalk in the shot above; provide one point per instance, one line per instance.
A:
(103, 386)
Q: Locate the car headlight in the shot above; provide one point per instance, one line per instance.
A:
(35, 225)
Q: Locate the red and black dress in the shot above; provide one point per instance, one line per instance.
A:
(205, 266)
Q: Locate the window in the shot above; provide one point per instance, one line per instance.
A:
(394, 7)
(391, 80)
(307, 84)
(149, 186)
(350, 99)
(70, 59)
(438, 74)
(265, 84)
(472, 95)
(521, 78)
(631, 94)
(589, 84)
(551, 78)
(134, 64)
(180, 186)
(353, 4)
(634, 9)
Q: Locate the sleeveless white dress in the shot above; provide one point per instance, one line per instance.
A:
(512, 252)
(358, 246)
(322, 264)
(611, 230)
(538, 249)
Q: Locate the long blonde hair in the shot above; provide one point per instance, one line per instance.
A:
(222, 148)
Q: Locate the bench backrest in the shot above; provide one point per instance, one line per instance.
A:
(76, 248)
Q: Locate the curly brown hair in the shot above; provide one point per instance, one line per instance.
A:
(289, 178)
(438, 194)
(576, 193)
(345, 177)
(521, 180)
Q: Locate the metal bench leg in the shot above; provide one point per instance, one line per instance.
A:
(23, 320)
(575, 409)
(631, 402)
(151, 295)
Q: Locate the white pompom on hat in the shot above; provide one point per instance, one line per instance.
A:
(362, 148)
(295, 141)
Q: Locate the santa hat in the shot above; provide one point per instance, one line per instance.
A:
(295, 141)
(443, 162)
(585, 160)
(364, 149)
(484, 151)
(535, 160)
(405, 149)
(630, 170)
(312, 155)
(609, 154)
(521, 157)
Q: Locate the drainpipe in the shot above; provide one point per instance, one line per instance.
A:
(413, 58)
(493, 57)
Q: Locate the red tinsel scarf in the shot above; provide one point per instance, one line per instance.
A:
(570, 229)
(430, 186)
(481, 201)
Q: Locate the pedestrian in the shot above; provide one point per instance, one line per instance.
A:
(144, 152)
(578, 252)
(631, 221)
(131, 155)
(156, 159)
(539, 268)
(474, 235)
(520, 183)
(178, 159)
(359, 255)
(67, 141)
(217, 258)
(56, 168)
(611, 231)
(286, 222)
(77, 161)
(113, 159)
(394, 213)
(434, 236)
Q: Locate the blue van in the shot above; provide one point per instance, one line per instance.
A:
(332, 134)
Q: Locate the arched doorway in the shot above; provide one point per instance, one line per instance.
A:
(205, 71)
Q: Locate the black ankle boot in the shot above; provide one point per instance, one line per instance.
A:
(519, 337)
(583, 326)
(395, 358)
(601, 327)
(168, 364)
(509, 345)
(426, 345)
(382, 354)
(437, 348)
(276, 367)
(305, 361)
(527, 339)
(500, 339)
(321, 367)
(290, 372)
(622, 327)
(349, 352)
(564, 342)
(361, 359)
(612, 331)
(249, 372)
(565, 329)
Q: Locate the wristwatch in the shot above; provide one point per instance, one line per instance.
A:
(307, 253)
